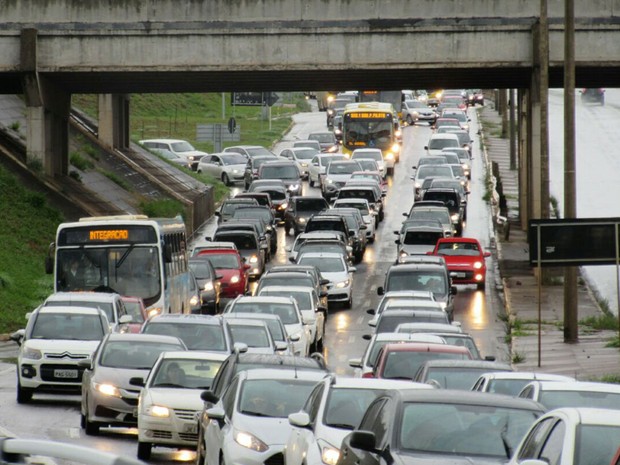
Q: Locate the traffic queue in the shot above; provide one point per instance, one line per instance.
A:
(243, 380)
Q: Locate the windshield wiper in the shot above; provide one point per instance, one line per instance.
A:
(254, 414)
(341, 425)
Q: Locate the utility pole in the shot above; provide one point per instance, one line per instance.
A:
(570, 193)
(513, 129)
(544, 111)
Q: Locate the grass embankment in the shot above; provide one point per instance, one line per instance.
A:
(29, 223)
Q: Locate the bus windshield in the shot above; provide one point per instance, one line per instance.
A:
(127, 270)
(368, 133)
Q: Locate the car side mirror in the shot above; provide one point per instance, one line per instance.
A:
(300, 419)
(363, 440)
(281, 346)
(18, 336)
(397, 241)
(380, 290)
(217, 414)
(453, 290)
(366, 337)
(137, 381)
(371, 311)
(209, 396)
(355, 363)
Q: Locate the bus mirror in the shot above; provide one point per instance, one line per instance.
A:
(168, 253)
(340, 126)
(49, 265)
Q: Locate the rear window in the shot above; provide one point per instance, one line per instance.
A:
(422, 237)
(243, 242)
(309, 204)
(195, 336)
(418, 281)
(325, 225)
(279, 172)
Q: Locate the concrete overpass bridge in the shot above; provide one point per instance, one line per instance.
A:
(53, 48)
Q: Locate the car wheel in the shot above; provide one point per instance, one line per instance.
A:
(201, 449)
(144, 450)
(90, 428)
(287, 229)
(310, 181)
(225, 179)
(481, 286)
(24, 395)
(409, 120)
(349, 303)
(82, 421)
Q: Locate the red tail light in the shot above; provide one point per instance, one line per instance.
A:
(368, 375)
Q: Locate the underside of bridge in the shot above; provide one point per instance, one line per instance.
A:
(304, 80)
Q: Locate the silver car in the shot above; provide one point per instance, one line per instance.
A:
(227, 167)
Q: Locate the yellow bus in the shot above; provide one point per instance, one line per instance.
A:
(371, 125)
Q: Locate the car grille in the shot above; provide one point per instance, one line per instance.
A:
(185, 414)
(336, 296)
(66, 356)
(47, 373)
(157, 434)
(275, 459)
(189, 437)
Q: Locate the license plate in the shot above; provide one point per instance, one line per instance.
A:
(459, 275)
(191, 428)
(65, 373)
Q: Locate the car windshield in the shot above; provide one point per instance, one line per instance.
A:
(136, 355)
(555, 399)
(201, 269)
(415, 104)
(286, 312)
(447, 198)
(261, 213)
(306, 153)
(326, 137)
(251, 335)
(462, 429)
(182, 147)
(228, 208)
(363, 208)
(389, 323)
(324, 264)
(370, 154)
(434, 160)
(224, 261)
(367, 164)
(343, 168)
(459, 378)
(233, 159)
(310, 247)
(345, 407)
(67, 326)
(259, 161)
(422, 214)
(258, 151)
(276, 398)
(284, 280)
(458, 248)
(418, 281)
(185, 373)
(511, 387)
(366, 175)
(195, 336)
(434, 171)
(243, 242)
(422, 237)
(275, 194)
(107, 307)
(279, 172)
(324, 161)
(303, 299)
(457, 170)
(135, 310)
(404, 364)
(596, 444)
(468, 343)
(311, 204)
(440, 143)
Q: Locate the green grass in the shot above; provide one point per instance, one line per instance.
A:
(28, 226)
(164, 208)
(80, 162)
(604, 321)
(117, 180)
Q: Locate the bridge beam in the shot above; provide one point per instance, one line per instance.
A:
(47, 141)
(114, 120)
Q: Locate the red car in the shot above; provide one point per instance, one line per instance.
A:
(403, 359)
(135, 307)
(464, 257)
(234, 271)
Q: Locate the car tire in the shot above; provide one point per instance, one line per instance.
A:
(481, 286)
(24, 395)
(349, 303)
(409, 120)
(90, 427)
(144, 450)
(226, 179)
(310, 181)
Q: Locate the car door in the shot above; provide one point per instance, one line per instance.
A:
(320, 317)
(217, 430)
(370, 422)
(303, 442)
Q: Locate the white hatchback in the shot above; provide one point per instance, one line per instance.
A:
(385, 167)
(334, 267)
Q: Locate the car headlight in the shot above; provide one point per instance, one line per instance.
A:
(209, 286)
(389, 156)
(330, 455)
(32, 354)
(395, 148)
(253, 259)
(337, 131)
(235, 279)
(330, 111)
(398, 133)
(403, 253)
(305, 165)
(417, 185)
(154, 311)
(293, 187)
(454, 217)
(343, 284)
(301, 220)
(283, 206)
(477, 265)
(249, 440)
(107, 389)
(191, 158)
(329, 181)
(195, 300)
(236, 171)
(157, 411)
(332, 149)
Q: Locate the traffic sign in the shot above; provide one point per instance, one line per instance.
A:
(269, 98)
(232, 124)
(247, 99)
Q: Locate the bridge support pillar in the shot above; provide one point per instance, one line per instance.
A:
(47, 139)
(114, 120)
(523, 156)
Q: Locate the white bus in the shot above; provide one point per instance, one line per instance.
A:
(132, 255)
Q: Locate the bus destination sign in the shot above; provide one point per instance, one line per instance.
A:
(370, 115)
(109, 235)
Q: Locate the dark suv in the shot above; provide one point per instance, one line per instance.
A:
(285, 170)
(300, 209)
(451, 199)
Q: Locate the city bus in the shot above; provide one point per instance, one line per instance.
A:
(373, 125)
(132, 255)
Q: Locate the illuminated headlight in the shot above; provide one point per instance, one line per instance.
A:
(209, 286)
(343, 284)
(463, 183)
(477, 265)
(443, 305)
(235, 279)
(403, 254)
(330, 455)
(253, 259)
(283, 206)
(395, 148)
(155, 311)
(293, 187)
(465, 166)
(337, 131)
(466, 146)
(157, 411)
(191, 158)
(389, 156)
(332, 149)
(301, 220)
(416, 114)
(249, 441)
(305, 165)
(398, 133)
(478, 277)
(107, 389)
(330, 111)
(330, 98)
(195, 300)
(329, 181)
(32, 354)
(418, 185)
(454, 217)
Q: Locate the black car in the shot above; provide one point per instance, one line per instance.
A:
(251, 168)
(209, 283)
(267, 237)
(300, 209)
(357, 229)
(279, 199)
(451, 199)
(284, 170)
(228, 207)
(263, 213)
(422, 426)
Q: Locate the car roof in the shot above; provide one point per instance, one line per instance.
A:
(64, 309)
(322, 255)
(464, 240)
(193, 355)
(142, 337)
(424, 347)
(267, 373)
(492, 366)
(405, 267)
(280, 360)
(185, 318)
(433, 327)
(405, 294)
(346, 382)
(575, 386)
(525, 375)
(411, 337)
(589, 416)
(264, 299)
(82, 296)
(161, 140)
(251, 316)
(294, 268)
(449, 396)
(306, 289)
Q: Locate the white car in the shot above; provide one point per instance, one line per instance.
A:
(51, 346)
(333, 267)
(571, 436)
(228, 167)
(317, 167)
(365, 365)
(336, 176)
(248, 425)
(556, 394)
(511, 382)
(334, 409)
(170, 400)
(302, 156)
(438, 142)
(254, 334)
(179, 147)
(408, 304)
(284, 307)
(369, 215)
(385, 166)
(284, 345)
(310, 306)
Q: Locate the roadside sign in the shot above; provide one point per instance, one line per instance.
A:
(256, 99)
(232, 124)
(217, 133)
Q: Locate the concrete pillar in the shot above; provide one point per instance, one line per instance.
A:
(523, 156)
(114, 120)
(534, 147)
